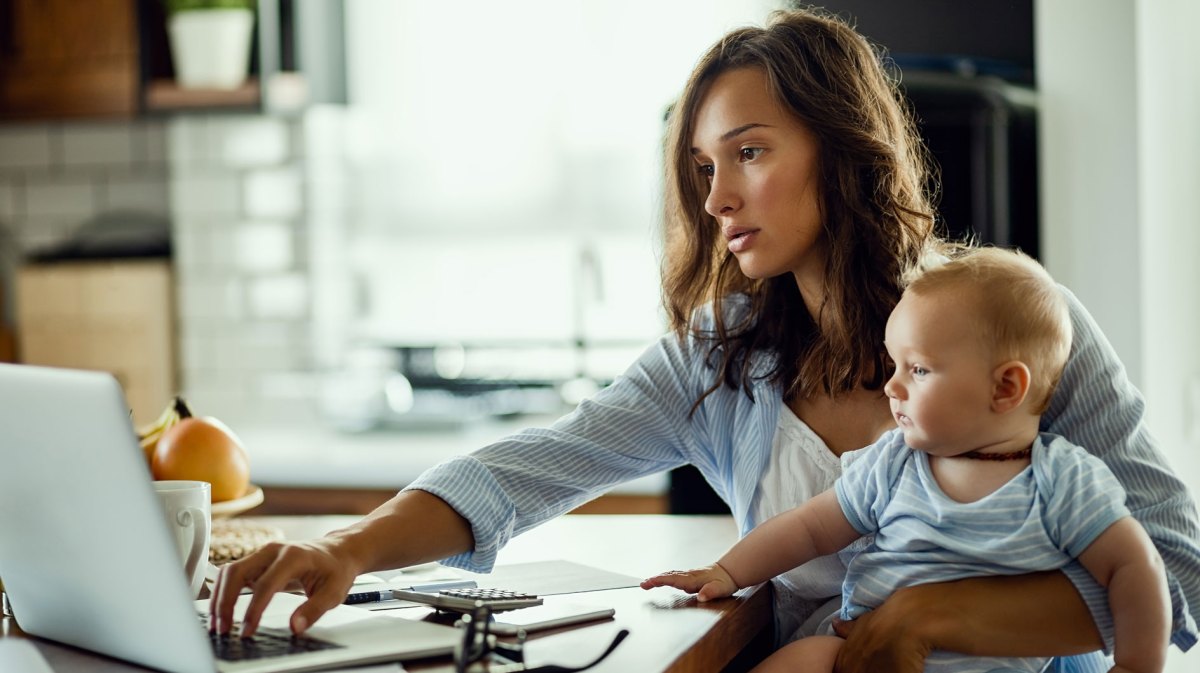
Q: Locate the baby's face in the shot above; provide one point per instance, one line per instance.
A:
(941, 391)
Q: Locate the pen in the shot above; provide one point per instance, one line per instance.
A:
(386, 594)
(368, 597)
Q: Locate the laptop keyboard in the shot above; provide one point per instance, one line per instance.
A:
(262, 645)
(230, 647)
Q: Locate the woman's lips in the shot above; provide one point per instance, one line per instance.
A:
(741, 239)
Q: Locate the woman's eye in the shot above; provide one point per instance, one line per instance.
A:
(706, 170)
(751, 153)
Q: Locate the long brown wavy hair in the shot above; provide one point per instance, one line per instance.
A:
(877, 217)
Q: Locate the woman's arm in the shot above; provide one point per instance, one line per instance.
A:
(1026, 615)
(465, 510)
(1096, 407)
(413, 527)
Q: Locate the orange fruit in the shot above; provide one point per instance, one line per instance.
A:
(203, 449)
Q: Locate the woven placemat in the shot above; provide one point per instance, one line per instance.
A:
(233, 539)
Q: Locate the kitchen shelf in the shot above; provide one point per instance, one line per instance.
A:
(164, 95)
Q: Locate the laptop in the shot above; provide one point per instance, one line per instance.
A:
(87, 558)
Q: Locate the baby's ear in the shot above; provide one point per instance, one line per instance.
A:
(1010, 386)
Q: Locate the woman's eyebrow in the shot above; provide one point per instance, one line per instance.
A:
(733, 133)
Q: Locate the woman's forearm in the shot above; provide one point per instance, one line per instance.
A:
(1032, 615)
(413, 527)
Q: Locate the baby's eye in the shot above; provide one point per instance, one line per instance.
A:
(751, 153)
(919, 371)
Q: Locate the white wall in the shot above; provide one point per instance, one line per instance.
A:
(1120, 167)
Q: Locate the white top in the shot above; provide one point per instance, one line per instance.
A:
(801, 466)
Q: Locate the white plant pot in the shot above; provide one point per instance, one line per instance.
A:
(211, 47)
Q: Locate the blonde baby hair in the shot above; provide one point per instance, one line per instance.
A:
(1020, 311)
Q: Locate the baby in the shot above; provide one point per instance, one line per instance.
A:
(966, 485)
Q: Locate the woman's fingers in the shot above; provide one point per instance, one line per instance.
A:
(274, 568)
(230, 581)
(313, 567)
(874, 645)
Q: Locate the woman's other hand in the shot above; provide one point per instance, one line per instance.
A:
(708, 583)
(1035, 615)
(882, 640)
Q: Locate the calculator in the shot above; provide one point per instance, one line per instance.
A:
(464, 600)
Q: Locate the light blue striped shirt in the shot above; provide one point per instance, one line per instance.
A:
(1039, 520)
(640, 425)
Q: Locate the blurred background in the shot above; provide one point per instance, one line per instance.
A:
(404, 228)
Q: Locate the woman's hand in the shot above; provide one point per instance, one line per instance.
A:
(413, 527)
(708, 583)
(319, 567)
(883, 640)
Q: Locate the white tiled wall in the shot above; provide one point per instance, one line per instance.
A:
(238, 207)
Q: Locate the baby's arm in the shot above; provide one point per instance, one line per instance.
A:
(816, 528)
(1123, 560)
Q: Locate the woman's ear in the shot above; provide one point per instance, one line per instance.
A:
(1010, 386)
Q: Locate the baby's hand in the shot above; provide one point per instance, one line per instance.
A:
(707, 583)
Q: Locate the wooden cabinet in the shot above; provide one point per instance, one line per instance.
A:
(68, 58)
(114, 316)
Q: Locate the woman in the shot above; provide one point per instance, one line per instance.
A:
(795, 205)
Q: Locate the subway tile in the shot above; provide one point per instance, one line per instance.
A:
(329, 185)
(150, 143)
(196, 352)
(187, 140)
(264, 247)
(248, 352)
(74, 197)
(273, 193)
(144, 193)
(247, 142)
(202, 247)
(324, 130)
(195, 192)
(209, 298)
(189, 247)
(284, 296)
(109, 144)
(25, 146)
(222, 397)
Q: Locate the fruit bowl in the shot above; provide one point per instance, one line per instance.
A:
(253, 497)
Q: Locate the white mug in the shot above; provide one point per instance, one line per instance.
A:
(188, 508)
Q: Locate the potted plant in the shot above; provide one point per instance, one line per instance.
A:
(210, 41)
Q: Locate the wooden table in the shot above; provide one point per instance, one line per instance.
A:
(669, 631)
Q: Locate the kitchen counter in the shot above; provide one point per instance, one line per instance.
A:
(321, 457)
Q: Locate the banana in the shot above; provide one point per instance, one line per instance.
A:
(148, 435)
(164, 419)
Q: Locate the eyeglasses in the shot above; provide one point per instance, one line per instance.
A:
(480, 651)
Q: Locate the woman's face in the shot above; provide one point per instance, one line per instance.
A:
(761, 165)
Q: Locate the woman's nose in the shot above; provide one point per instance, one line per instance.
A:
(722, 197)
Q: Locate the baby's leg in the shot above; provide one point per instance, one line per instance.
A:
(815, 654)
